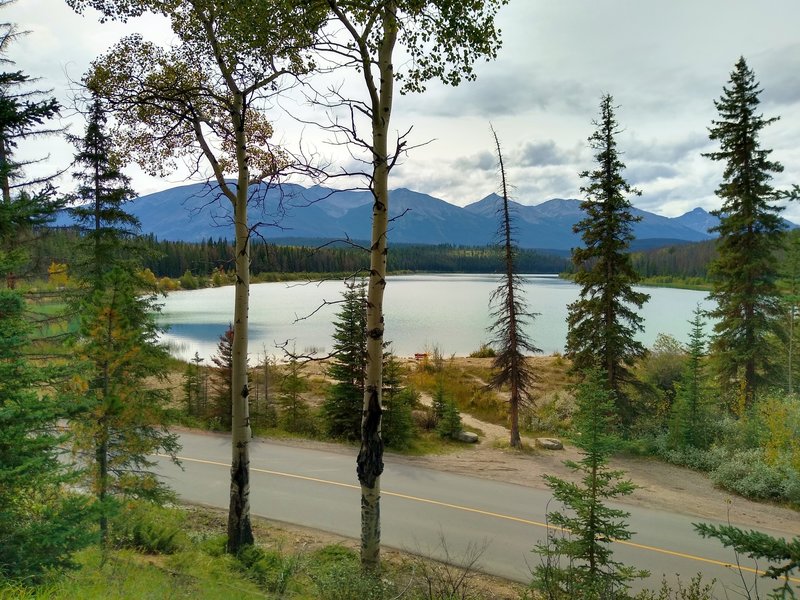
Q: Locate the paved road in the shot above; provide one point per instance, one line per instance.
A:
(420, 507)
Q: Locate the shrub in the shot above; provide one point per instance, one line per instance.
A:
(747, 473)
(148, 528)
(397, 426)
(450, 422)
(485, 351)
(346, 581)
(269, 568)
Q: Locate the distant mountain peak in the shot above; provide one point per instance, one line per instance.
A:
(184, 213)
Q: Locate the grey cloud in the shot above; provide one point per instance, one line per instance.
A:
(482, 161)
(505, 90)
(535, 188)
(540, 154)
(642, 173)
(660, 152)
(778, 76)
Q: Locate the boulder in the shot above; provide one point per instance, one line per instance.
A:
(549, 444)
(467, 436)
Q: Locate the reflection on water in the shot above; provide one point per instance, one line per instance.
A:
(448, 311)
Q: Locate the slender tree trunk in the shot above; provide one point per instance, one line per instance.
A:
(370, 456)
(240, 532)
(5, 184)
(101, 458)
(513, 409)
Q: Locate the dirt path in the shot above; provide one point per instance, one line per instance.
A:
(661, 486)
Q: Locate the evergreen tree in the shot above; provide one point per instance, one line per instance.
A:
(98, 200)
(194, 390)
(25, 203)
(603, 321)
(511, 315)
(295, 415)
(791, 304)
(750, 232)
(222, 381)
(689, 423)
(397, 427)
(343, 403)
(41, 523)
(449, 425)
(439, 400)
(590, 526)
(123, 419)
(782, 554)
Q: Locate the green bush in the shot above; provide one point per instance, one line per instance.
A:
(148, 528)
(485, 351)
(346, 581)
(450, 422)
(747, 473)
(271, 569)
(397, 426)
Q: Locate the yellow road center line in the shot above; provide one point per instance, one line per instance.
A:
(478, 511)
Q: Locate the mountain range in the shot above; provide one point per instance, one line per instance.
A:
(197, 211)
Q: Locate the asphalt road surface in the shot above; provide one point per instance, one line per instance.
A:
(422, 507)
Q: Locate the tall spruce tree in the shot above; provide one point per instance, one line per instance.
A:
(25, 113)
(102, 190)
(603, 320)
(342, 407)
(122, 422)
(750, 232)
(511, 315)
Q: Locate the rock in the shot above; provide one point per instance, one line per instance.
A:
(467, 436)
(549, 444)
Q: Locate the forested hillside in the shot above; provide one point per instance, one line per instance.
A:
(173, 259)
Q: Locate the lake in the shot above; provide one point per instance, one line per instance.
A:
(421, 311)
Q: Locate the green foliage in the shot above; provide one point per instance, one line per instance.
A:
(449, 425)
(107, 231)
(397, 426)
(663, 365)
(590, 571)
(219, 413)
(337, 575)
(195, 383)
(188, 281)
(750, 232)
(295, 414)
(271, 569)
(696, 590)
(40, 526)
(603, 322)
(760, 546)
(689, 423)
(485, 351)
(121, 422)
(746, 472)
(149, 529)
(342, 407)
(440, 399)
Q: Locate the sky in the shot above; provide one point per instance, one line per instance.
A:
(663, 62)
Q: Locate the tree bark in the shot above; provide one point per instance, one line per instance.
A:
(370, 456)
(240, 532)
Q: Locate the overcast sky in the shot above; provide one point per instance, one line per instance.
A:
(664, 62)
